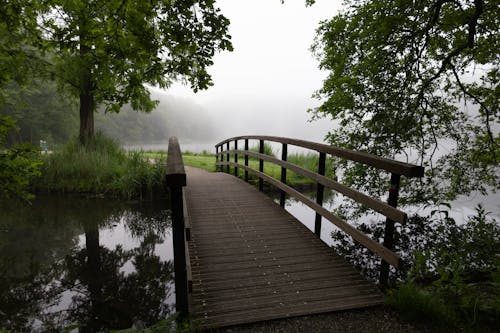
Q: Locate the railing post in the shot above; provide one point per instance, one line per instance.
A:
(236, 157)
(176, 180)
(284, 156)
(389, 229)
(246, 160)
(216, 158)
(261, 165)
(319, 193)
(227, 157)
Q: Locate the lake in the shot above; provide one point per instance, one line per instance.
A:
(95, 264)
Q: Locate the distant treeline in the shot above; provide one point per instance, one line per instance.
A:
(43, 112)
(172, 116)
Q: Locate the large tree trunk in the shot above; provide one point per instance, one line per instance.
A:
(86, 92)
(86, 113)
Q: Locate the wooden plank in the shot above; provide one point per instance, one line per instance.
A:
(401, 168)
(299, 309)
(257, 262)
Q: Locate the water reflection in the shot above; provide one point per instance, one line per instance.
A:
(93, 265)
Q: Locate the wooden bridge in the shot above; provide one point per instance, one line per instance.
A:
(240, 258)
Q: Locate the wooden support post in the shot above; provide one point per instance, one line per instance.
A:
(261, 165)
(227, 157)
(389, 229)
(216, 158)
(175, 181)
(236, 157)
(284, 156)
(178, 234)
(319, 193)
(246, 160)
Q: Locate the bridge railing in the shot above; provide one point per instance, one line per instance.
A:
(396, 168)
(176, 181)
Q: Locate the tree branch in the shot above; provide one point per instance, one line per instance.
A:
(478, 4)
(481, 104)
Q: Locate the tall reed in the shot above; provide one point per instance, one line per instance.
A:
(101, 167)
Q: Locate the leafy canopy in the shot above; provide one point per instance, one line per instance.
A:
(416, 79)
(121, 45)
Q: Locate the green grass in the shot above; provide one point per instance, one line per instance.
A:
(206, 161)
(105, 168)
(100, 168)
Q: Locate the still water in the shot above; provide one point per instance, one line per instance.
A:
(84, 265)
(88, 265)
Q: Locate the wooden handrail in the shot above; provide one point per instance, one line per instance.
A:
(176, 175)
(377, 205)
(401, 168)
(369, 243)
(388, 209)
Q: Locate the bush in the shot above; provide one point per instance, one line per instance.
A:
(450, 270)
(18, 164)
(419, 306)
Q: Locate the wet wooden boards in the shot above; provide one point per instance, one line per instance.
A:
(253, 261)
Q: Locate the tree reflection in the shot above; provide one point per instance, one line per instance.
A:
(111, 297)
(108, 288)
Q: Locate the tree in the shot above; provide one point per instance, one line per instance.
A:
(18, 163)
(415, 79)
(41, 112)
(105, 51)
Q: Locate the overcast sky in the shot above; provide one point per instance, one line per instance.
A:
(271, 74)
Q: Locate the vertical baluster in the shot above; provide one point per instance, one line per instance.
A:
(227, 157)
(389, 229)
(216, 158)
(284, 157)
(319, 193)
(261, 164)
(246, 159)
(236, 157)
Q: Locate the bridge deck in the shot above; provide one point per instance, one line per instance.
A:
(252, 261)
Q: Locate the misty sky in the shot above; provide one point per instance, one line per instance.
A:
(271, 74)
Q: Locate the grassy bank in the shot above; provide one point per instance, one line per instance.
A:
(100, 168)
(206, 161)
(104, 168)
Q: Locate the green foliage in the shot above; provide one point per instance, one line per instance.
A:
(416, 80)
(444, 263)
(421, 307)
(18, 63)
(18, 165)
(310, 162)
(464, 268)
(101, 167)
(105, 51)
(268, 149)
(41, 112)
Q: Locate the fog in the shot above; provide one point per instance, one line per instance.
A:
(265, 85)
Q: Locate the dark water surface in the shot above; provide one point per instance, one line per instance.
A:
(84, 265)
